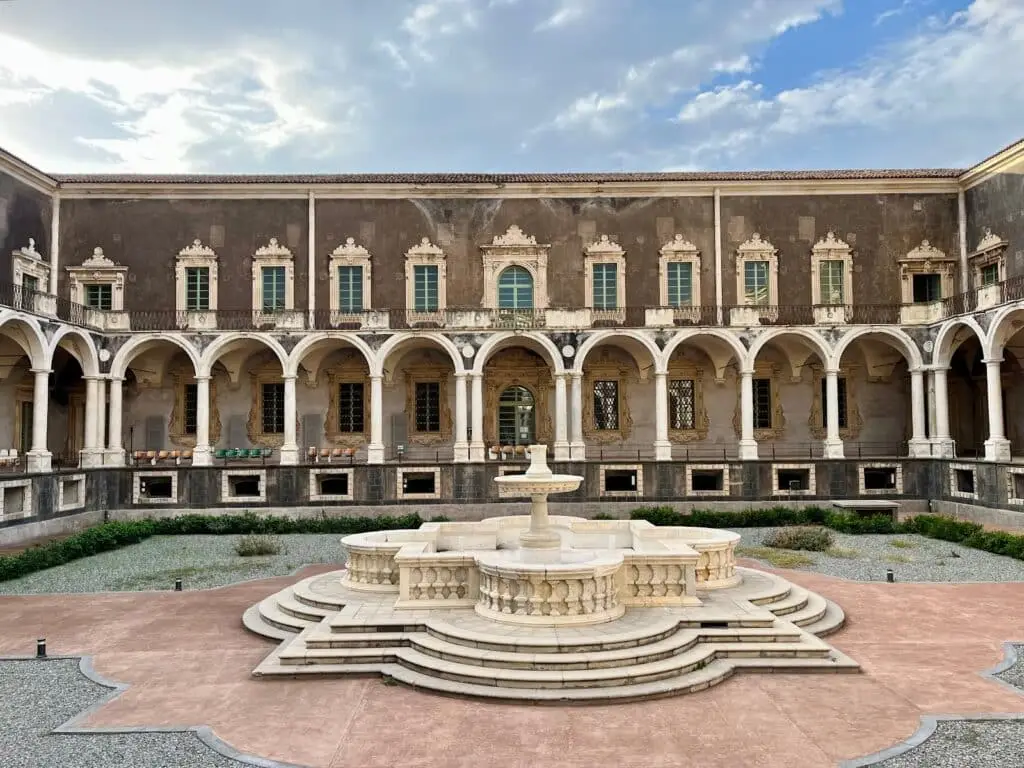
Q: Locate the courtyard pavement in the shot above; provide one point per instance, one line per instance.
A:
(186, 661)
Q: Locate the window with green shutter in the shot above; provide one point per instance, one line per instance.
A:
(273, 289)
(606, 289)
(425, 296)
(99, 296)
(755, 283)
(197, 289)
(831, 279)
(680, 284)
(350, 289)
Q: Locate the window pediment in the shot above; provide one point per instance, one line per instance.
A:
(927, 259)
(991, 250)
(757, 249)
(515, 248)
(97, 269)
(28, 262)
(837, 289)
(350, 254)
(425, 254)
(679, 250)
(604, 250)
(267, 257)
(195, 256)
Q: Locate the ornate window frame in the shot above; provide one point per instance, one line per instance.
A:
(269, 373)
(513, 367)
(682, 369)
(98, 270)
(679, 251)
(515, 249)
(195, 256)
(348, 254)
(28, 262)
(428, 373)
(757, 249)
(831, 248)
(815, 422)
(926, 259)
(606, 251)
(351, 368)
(991, 250)
(273, 255)
(602, 367)
(181, 377)
(772, 372)
(426, 253)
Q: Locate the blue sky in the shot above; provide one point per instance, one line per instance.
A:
(508, 85)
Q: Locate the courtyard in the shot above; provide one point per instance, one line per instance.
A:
(936, 644)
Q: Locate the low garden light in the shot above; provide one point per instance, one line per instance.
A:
(177, 585)
(41, 648)
(890, 576)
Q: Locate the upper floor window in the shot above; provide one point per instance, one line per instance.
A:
(757, 272)
(350, 289)
(605, 286)
(98, 283)
(425, 288)
(99, 296)
(679, 273)
(350, 271)
(988, 260)
(30, 284)
(831, 272)
(515, 289)
(425, 277)
(832, 283)
(197, 289)
(680, 285)
(927, 288)
(990, 274)
(927, 274)
(30, 272)
(605, 271)
(273, 289)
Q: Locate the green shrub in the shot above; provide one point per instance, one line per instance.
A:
(747, 518)
(811, 539)
(253, 545)
(857, 524)
(945, 528)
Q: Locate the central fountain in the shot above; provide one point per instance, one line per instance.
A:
(546, 608)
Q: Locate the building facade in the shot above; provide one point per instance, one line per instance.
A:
(704, 318)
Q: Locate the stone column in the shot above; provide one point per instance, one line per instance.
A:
(919, 444)
(833, 442)
(101, 420)
(39, 459)
(461, 448)
(997, 447)
(202, 455)
(375, 451)
(290, 448)
(562, 450)
(577, 449)
(748, 445)
(114, 456)
(944, 445)
(477, 449)
(87, 455)
(662, 445)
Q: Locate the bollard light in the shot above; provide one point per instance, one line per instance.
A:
(177, 585)
(890, 576)
(41, 648)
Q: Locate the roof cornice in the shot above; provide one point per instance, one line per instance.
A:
(993, 165)
(27, 174)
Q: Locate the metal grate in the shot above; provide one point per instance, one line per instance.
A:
(606, 405)
(350, 407)
(428, 406)
(273, 408)
(762, 404)
(681, 404)
(191, 408)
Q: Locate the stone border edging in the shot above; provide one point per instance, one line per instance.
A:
(204, 733)
(929, 723)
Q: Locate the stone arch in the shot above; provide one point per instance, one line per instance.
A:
(779, 336)
(724, 346)
(303, 348)
(895, 337)
(946, 341)
(632, 339)
(223, 344)
(1006, 322)
(26, 333)
(139, 344)
(81, 347)
(406, 340)
(529, 339)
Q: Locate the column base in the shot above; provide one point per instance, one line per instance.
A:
(833, 449)
(113, 457)
(944, 448)
(997, 449)
(460, 453)
(477, 452)
(289, 455)
(748, 450)
(38, 461)
(662, 450)
(90, 457)
(202, 456)
(919, 449)
(375, 453)
(577, 452)
(562, 451)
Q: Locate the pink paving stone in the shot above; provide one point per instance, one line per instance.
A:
(187, 660)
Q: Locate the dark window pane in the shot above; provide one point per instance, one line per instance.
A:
(273, 408)
(428, 406)
(681, 404)
(350, 407)
(606, 405)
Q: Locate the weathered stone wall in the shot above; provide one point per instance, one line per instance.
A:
(24, 214)
(998, 204)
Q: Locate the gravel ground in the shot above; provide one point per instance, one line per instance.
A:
(924, 560)
(966, 744)
(1015, 674)
(200, 562)
(38, 696)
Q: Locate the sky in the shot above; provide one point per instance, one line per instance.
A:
(337, 86)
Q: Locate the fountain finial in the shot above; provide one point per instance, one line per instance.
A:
(538, 462)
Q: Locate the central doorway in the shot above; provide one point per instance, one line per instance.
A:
(517, 417)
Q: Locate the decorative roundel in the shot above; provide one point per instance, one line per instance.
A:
(104, 355)
(468, 351)
(928, 346)
(568, 350)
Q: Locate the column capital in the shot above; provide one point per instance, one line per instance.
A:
(575, 374)
(662, 374)
(746, 371)
(462, 375)
(202, 378)
(376, 376)
(832, 371)
(37, 371)
(289, 377)
(993, 361)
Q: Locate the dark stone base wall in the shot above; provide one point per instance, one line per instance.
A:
(924, 480)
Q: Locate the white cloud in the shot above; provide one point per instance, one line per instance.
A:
(566, 12)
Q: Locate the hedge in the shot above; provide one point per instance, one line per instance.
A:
(108, 536)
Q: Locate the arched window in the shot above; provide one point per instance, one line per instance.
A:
(515, 289)
(517, 417)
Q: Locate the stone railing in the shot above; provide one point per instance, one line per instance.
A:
(429, 579)
(370, 561)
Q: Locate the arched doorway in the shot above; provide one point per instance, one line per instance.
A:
(515, 289)
(517, 417)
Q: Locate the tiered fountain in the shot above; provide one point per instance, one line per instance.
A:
(507, 607)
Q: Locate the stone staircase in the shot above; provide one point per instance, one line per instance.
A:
(766, 625)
